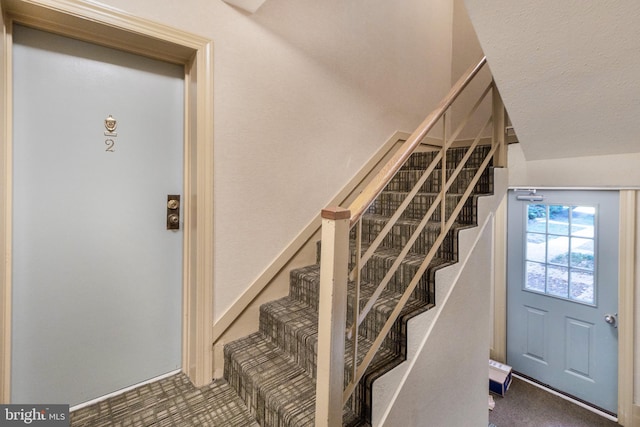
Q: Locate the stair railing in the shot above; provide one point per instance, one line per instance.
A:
(331, 391)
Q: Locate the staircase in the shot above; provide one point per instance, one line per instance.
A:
(274, 370)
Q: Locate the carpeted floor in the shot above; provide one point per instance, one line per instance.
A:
(171, 402)
(525, 405)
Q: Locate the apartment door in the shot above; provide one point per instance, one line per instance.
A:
(563, 292)
(97, 147)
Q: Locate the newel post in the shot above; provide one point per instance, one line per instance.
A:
(499, 128)
(332, 316)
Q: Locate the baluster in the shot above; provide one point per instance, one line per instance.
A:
(356, 305)
(443, 178)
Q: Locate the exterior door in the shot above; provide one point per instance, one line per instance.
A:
(563, 292)
(96, 274)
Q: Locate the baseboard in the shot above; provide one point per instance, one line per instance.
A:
(122, 391)
(635, 422)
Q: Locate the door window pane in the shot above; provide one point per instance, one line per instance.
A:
(536, 247)
(558, 220)
(560, 251)
(583, 221)
(582, 253)
(536, 276)
(558, 281)
(537, 218)
(582, 286)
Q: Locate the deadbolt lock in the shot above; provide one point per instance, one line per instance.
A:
(173, 212)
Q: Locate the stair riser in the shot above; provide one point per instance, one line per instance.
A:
(400, 234)
(303, 286)
(388, 203)
(301, 342)
(405, 180)
(298, 335)
(454, 156)
(378, 268)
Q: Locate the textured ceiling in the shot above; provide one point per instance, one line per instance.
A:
(568, 71)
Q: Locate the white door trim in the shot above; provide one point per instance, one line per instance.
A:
(113, 28)
(626, 292)
(626, 305)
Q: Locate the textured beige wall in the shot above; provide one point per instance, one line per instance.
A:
(616, 170)
(466, 52)
(567, 71)
(305, 91)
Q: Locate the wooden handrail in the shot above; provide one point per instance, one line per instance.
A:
(369, 194)
(334, 282)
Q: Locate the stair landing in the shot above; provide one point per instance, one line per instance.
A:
(170, 402)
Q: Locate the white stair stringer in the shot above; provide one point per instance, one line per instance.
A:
(437, 338)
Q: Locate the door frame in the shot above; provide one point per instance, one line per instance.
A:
(626, 295)
(110, 27)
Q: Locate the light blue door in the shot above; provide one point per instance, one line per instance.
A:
(563, 292)
(96, 274)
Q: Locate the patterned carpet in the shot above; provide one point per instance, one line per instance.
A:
(173, 401)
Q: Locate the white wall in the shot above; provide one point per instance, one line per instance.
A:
(567, 71)
(448, 385)
(467, 52)
(445, 376)
(615, 170)
(305, 91)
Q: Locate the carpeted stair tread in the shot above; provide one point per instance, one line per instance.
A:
(293, 327)
(266, 379)
(276, 390)
(305, 281)
(431, 225)
(235, 412)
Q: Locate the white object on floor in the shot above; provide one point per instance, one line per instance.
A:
(492, 403)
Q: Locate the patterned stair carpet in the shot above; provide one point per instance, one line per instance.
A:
(170, 402)
(274, 369)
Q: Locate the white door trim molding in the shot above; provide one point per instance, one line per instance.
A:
(113, 28)
(626, 306)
